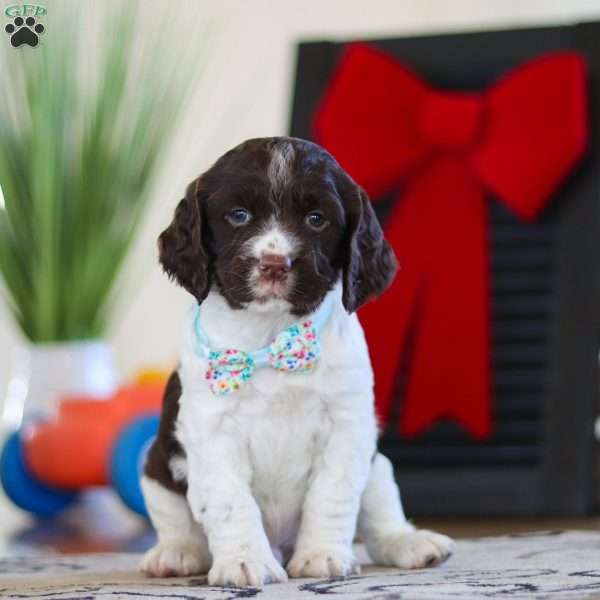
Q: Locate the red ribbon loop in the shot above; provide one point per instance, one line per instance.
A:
(519, 140)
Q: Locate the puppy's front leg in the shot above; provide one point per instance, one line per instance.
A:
(221, 500)
(330, 509)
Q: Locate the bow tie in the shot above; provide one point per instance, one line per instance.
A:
(294, 350)
(448, 150)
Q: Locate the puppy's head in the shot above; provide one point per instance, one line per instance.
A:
(277, 219)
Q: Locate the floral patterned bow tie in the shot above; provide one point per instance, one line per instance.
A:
(294, 350)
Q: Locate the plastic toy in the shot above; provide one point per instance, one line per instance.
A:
(88, 442)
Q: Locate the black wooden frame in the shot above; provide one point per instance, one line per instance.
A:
(563, 481)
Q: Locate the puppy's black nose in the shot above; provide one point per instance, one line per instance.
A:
(274, 266)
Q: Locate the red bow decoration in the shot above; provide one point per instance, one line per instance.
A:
(519, 140)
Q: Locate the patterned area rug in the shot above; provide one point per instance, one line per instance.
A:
(550, 565)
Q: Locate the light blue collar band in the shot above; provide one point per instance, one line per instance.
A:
(295, 349)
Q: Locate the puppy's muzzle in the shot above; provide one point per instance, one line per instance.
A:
(274, 267)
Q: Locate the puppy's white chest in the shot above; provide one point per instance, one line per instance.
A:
(283, 439)
(282, 445)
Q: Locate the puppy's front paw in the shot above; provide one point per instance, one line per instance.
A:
(336, 561)
(172, 559)
(246, 570)
(412, 549)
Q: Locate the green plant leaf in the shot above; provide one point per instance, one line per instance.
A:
(77, 161)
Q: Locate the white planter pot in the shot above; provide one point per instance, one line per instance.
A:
(42, 374)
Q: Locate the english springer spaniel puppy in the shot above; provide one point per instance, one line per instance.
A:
(265, 465)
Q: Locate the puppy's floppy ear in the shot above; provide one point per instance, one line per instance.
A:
(181, 249)
(370, 264)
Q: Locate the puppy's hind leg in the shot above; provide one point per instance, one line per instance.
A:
(390, 539)
(181, 548)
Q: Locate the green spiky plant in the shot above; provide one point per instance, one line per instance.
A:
(76, 164)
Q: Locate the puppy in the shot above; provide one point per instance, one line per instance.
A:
(265, 464)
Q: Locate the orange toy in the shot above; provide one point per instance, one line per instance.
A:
(70, 450)
(88, 442)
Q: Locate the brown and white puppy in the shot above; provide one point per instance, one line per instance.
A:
(279, 475)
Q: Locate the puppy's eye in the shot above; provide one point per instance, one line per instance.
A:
(316, 220)
(238, 217)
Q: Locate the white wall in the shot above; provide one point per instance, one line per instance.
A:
(245, 92)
